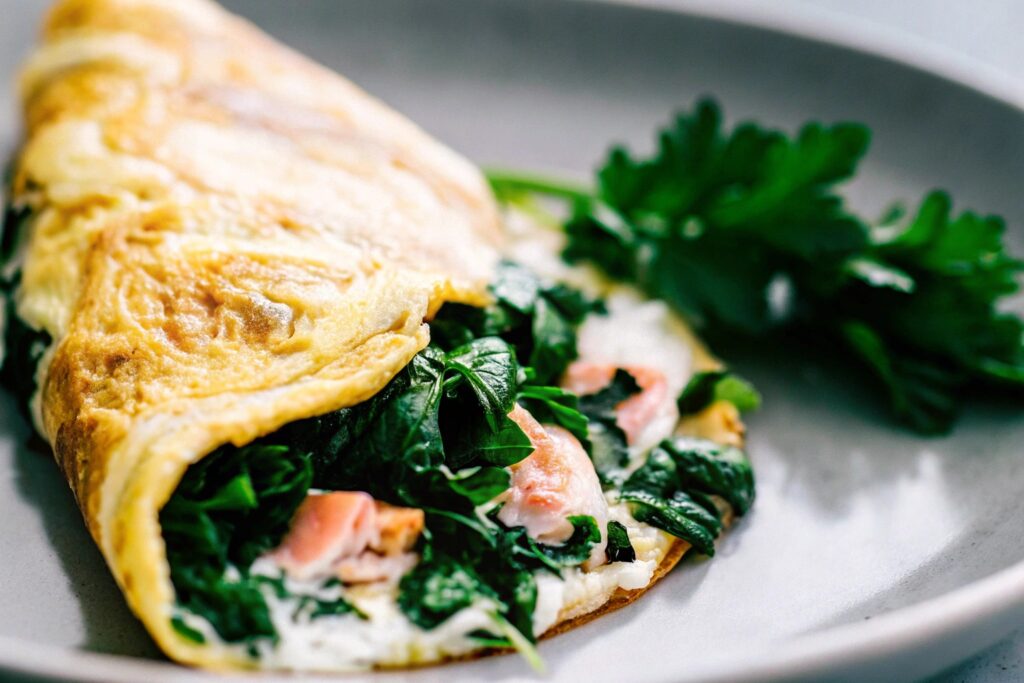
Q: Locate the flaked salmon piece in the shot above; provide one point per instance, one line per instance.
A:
(634, 414)
(554, 482)
(400, 528)
(325, 528)
(339, 526)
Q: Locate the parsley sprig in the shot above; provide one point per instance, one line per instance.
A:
(715, 219)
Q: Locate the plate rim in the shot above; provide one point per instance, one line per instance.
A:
(995, 598)
(816, 25)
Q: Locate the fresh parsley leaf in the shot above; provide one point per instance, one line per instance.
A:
(929, 342)
(714, 217)
(704, 388)
(706, 222)
(619, 547)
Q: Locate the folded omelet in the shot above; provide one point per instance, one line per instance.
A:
(224, 259)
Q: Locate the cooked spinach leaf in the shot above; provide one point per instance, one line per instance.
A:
(704, 388)
(712, 468)
(678, 514)
(619, 547)
(311, 607)
(575, 551)
(537, 319)
(672, 489)
(554, 405)
(437, 437)
(229, 508)
(602, 404)
(437, 588)
(489, 366)
(189, 633)
(609, 450)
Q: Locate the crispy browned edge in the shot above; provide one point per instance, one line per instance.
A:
(621, 598)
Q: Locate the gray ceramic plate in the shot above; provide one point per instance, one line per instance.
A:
(871, 553)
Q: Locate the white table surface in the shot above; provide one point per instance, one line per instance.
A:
(988, 32)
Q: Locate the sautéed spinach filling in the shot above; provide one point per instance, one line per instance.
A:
(438, 438)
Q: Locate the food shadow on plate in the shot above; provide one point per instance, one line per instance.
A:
(831, 462)
(106, 623)
(824, 427)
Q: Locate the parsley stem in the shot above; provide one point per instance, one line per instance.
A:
(506, 182)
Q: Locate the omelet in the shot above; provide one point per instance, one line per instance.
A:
(215, 244)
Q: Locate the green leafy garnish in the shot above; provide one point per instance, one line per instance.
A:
(718, 222)
(437, 588)
(189, 633)
(714, 469)
(704, 388)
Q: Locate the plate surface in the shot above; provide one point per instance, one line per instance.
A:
(871, 554)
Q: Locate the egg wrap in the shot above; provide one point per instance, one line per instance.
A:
(223, 238)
